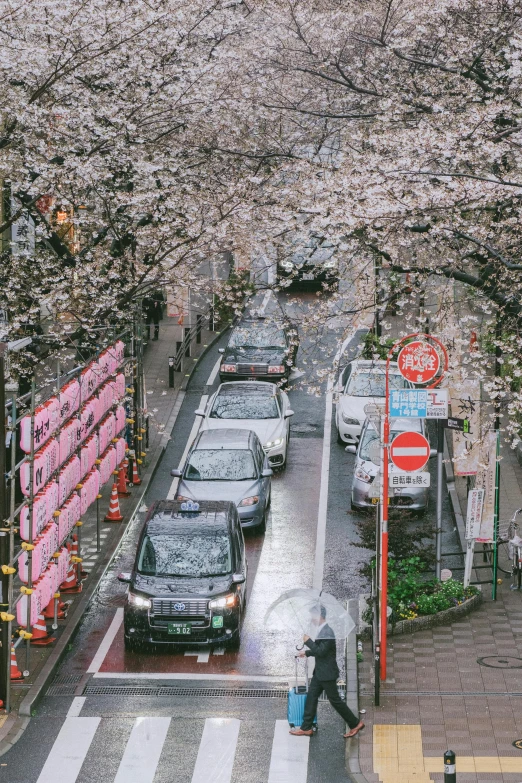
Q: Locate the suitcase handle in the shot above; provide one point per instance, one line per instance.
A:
(305, 672)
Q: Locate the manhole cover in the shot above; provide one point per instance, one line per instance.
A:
(517, 744)
(501, 662)
(304, 428)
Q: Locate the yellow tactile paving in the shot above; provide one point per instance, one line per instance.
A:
(398, 757)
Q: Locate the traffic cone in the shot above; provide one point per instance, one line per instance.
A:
(40, 637)
(123, 492)
(16, 674)
(72, 584)
(135, 475)
(126, 467)
(62, 610)
(75, 553)
(114, 514)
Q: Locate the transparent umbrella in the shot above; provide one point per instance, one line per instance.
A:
(294, 610)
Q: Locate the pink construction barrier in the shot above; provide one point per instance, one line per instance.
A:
(36, 604)
(46, 461)
(121, 447)
(89, 416)
(70, 513)
(89, 453)
(107, 464)
(89, 490)
(44, 548)
(70, 436)
(44, 506)
(62, 567)
(68, 478)
(107, 431)
(69, 399)
(46, 422)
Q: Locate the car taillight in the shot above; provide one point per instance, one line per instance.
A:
(276, 368)
(228, 368)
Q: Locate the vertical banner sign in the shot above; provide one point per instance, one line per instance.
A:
(22, 233)
(465, 404)
(474, 515)
(178, 302)
(486, 480)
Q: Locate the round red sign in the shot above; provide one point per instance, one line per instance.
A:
(409, 451)
(418, 362)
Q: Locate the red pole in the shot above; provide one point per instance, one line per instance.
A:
(384, 524)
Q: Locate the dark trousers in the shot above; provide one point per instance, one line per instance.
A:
(156, 329)
(312, 699)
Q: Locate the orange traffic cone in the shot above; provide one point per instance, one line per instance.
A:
(114, 514)
(16, 674)
(135, 475)
(126, 466)
(40, 637)
(72, 584)
(62, 610)
(123, 492)
(75, 553)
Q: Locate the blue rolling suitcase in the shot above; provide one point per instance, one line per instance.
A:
(297, 699)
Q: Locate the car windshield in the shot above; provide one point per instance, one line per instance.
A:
(373, 384)
(370, 436)
(243, 405)
(264, 336)
(221, 465)
(185, 554)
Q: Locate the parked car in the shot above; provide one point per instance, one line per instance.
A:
(361, 382)
(261, 350)
(364, 495)
(314, 259)
(188, 582)
(260, 407)
(231, 465)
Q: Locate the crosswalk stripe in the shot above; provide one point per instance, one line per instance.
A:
(143, 751)
(69, 750)
(217, 750)
(289, 760)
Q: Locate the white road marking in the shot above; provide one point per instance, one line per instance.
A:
(202, 657)
(67, 755)
(193, 432)
(264, 303)
(289, 760)
(320, 540)
(218, 651)
(217, 750)
(213, 374)
(143, 751)
(106, 642)
(189, 676)
(76, 706)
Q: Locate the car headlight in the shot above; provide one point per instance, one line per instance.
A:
(276, 368)
(287, 264)
(362, 475)
(250, 501)
(182, 498)
(273, 443)
(138, 601)
(224, 601)
(350, 420)
(228, 368)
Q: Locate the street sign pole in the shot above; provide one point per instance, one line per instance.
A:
(496, 519)
(438, 533)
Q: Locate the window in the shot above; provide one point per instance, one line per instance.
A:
(220, 465)
(186, 554)
(259, 336)
(244, 405)
(373, 384)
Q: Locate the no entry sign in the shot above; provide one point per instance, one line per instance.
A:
(418, 362)
(410, 451)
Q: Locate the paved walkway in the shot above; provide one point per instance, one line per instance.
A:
(440, 694)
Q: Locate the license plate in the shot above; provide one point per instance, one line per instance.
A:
(180, 629)
(308, 276)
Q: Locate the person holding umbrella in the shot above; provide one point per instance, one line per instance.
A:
(325, 677)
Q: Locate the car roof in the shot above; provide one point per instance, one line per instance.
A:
(245, 388)
(260, 320)
(167, 516)
(228, 438)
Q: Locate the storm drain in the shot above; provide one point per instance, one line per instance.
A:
(64, 685)
(201, 693)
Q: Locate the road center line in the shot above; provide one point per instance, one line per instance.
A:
(106, 642)
(215, 370)
(76, 706)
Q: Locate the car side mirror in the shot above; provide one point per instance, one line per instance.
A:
(199, 412)
(238, 579)
(175, 472)
(267, 472)
(433, 453)
(351, 449)
(221, 350)
(124, 577)
(289, 413)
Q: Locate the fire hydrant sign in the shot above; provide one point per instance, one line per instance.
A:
(410, 451)
(418, 362)
(474, 513)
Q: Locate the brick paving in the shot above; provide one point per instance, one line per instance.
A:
(435, 682)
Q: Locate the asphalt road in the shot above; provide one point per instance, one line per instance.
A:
(125, 727)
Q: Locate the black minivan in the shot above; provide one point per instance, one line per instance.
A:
(188, 584)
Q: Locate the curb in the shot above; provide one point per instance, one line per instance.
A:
(352, 695)
(17, 726)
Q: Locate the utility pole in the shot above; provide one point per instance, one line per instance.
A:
(4, 535)
(498, 355)
(438, 530)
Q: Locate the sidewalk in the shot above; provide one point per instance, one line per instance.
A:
(163, 404)
(438, 695)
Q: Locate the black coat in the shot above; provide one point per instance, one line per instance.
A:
(324, 651)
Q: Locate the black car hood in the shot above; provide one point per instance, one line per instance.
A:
(256, 355)
(181, 587)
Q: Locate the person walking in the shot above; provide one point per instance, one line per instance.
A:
(153, 308)
(324, 678)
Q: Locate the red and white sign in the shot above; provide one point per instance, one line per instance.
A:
(418, 362)
(409, 451)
